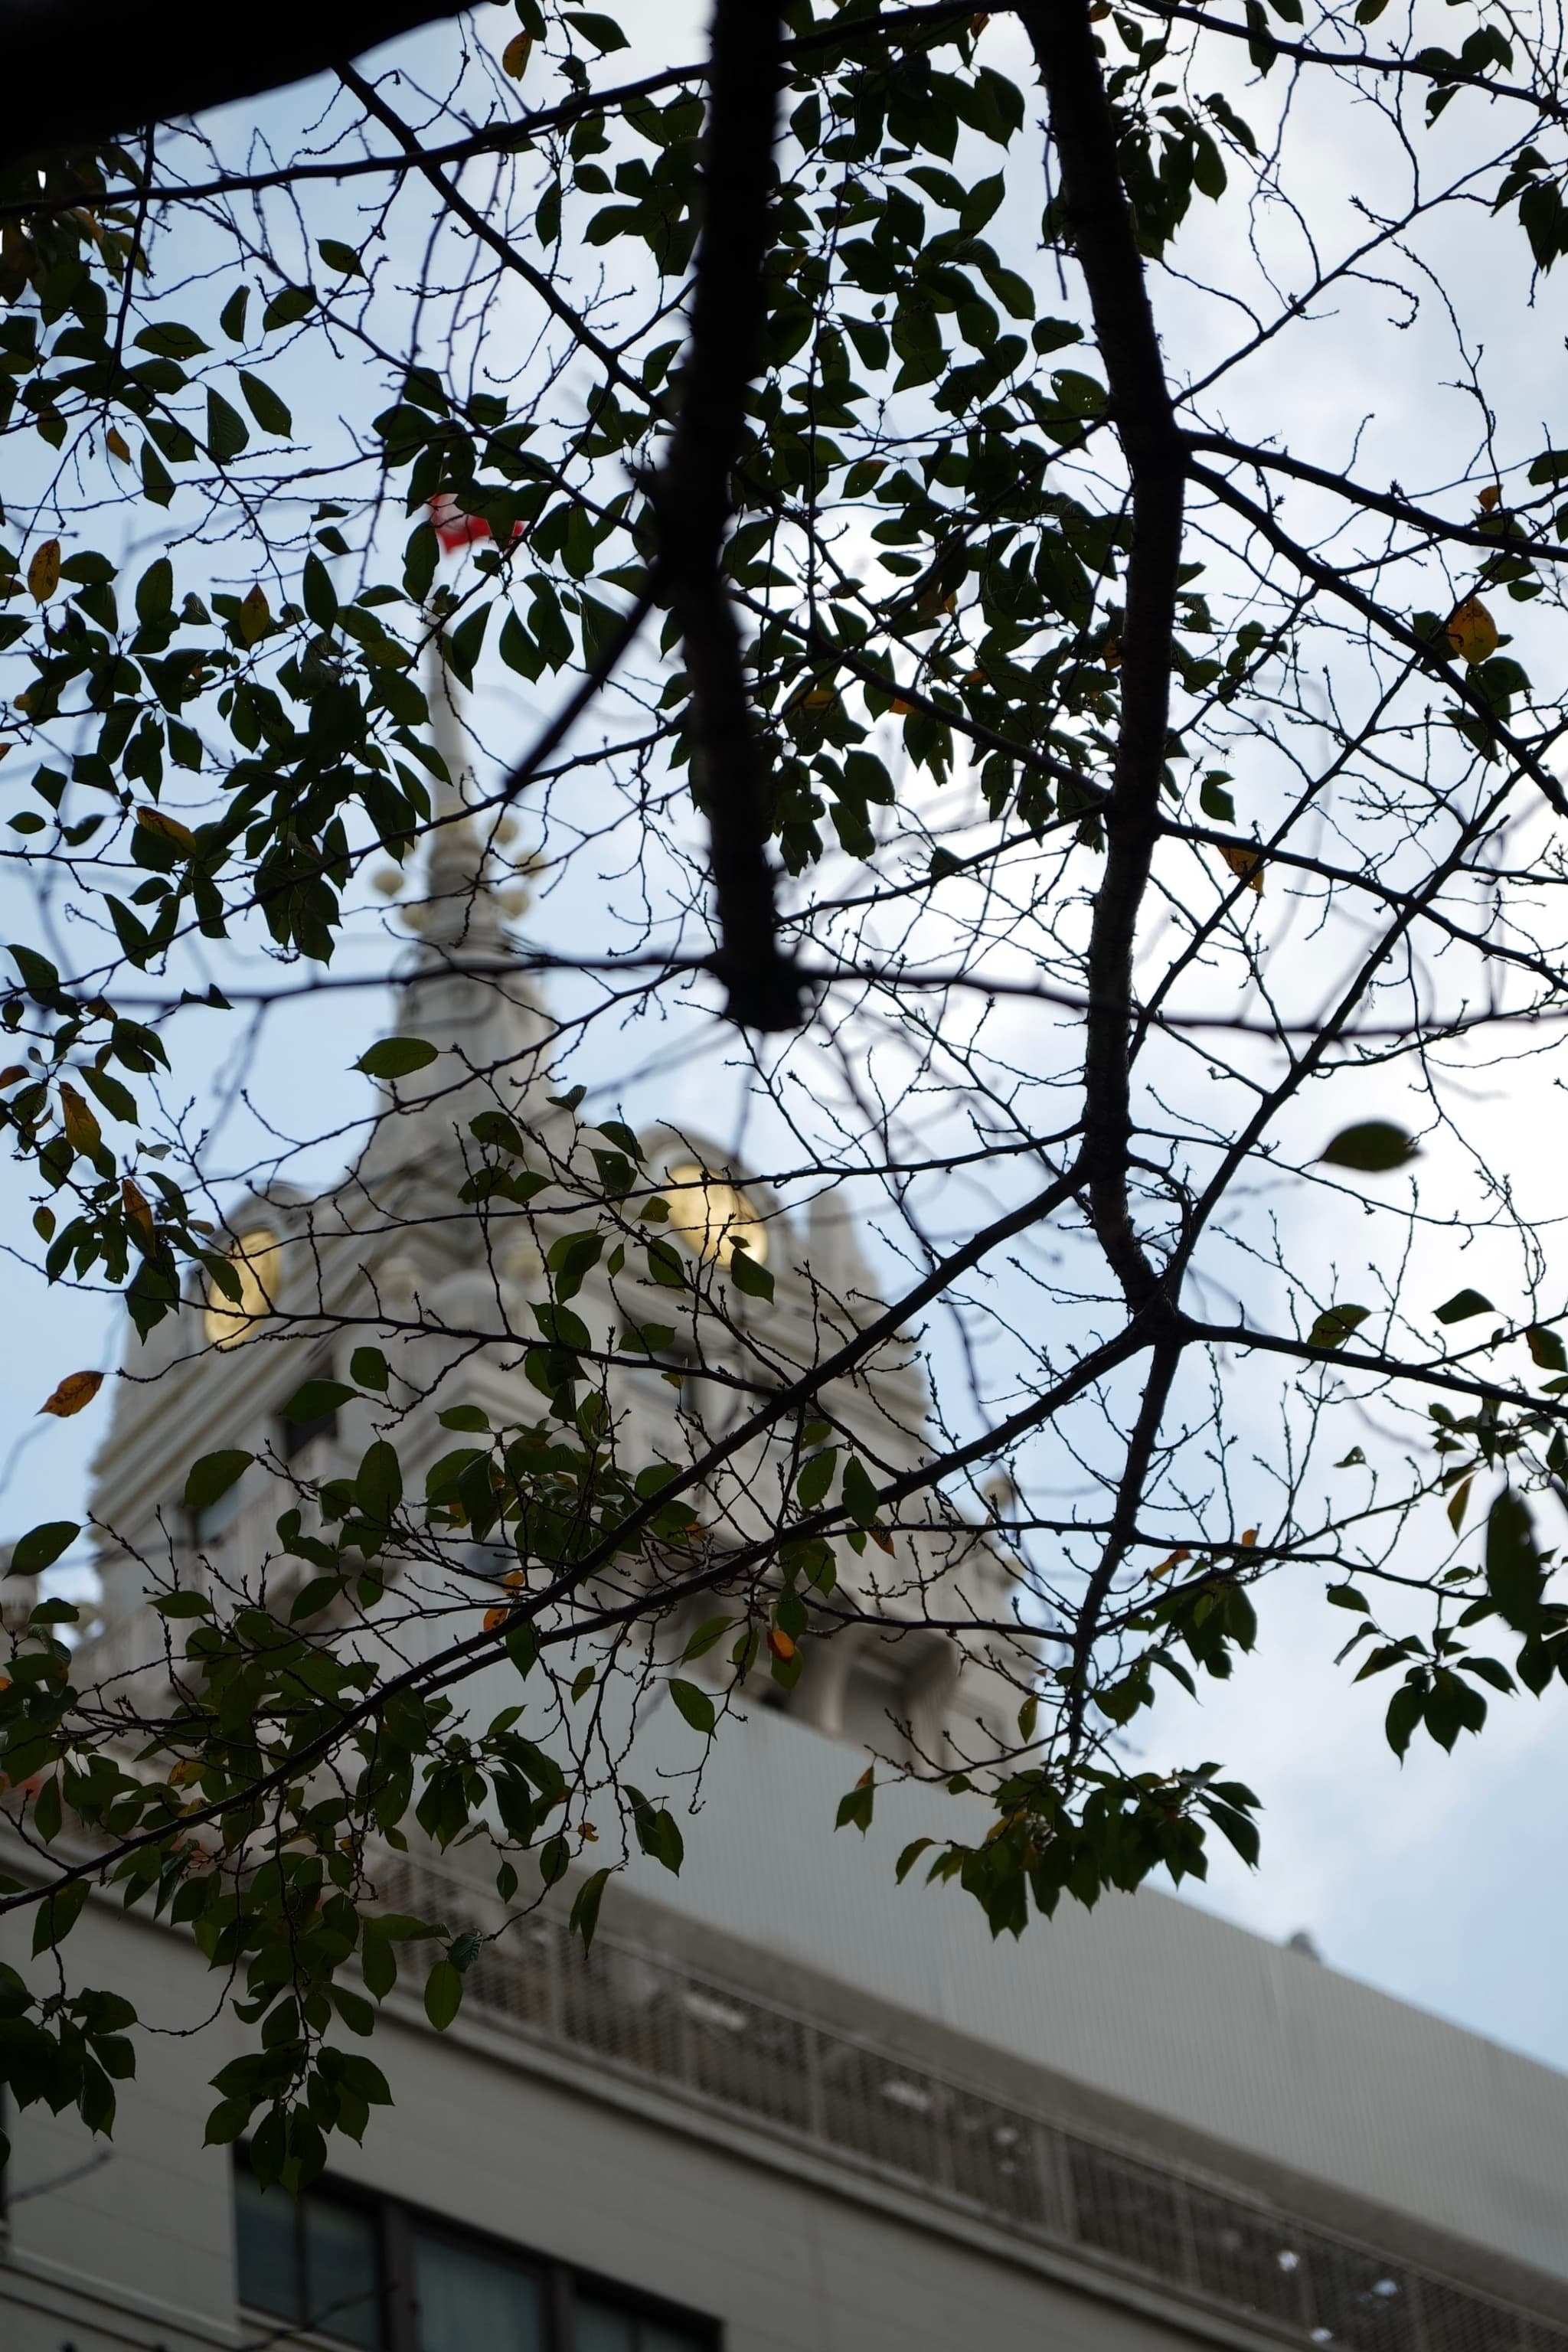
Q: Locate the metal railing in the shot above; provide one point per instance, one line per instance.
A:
(698, 2036)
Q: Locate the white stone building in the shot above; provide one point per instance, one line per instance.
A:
(785, 2107)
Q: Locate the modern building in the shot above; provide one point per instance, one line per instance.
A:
(784, 2105)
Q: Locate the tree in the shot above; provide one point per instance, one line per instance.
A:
(927, 467)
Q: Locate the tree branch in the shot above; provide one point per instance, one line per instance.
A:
(82, 71)
(692, 509)
(1084, 134)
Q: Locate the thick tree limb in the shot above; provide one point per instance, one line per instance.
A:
(82, 71)
(1084, 136)
(692, 508)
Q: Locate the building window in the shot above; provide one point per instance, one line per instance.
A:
(464, 2298)
(608, 2327)
(313, 2261)
(370, 2271)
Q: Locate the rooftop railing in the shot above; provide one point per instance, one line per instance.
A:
(694, 2035)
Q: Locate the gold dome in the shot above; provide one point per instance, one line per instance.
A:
(713, 1215)
(227, 1321)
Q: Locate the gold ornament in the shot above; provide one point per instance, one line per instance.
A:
(254, 1260)
(712, 1215)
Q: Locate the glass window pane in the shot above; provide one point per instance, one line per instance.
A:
(469, 2303)
(344, 2274)
(600, 2329)
(264, 2246)
(669, 2339)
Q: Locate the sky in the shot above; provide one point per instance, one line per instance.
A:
(1442, 1880)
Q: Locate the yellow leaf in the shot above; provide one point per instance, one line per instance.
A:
(494, 1617)
(9, 1077)
(882, 1538)
(82, 1130)
(77, 1390)
(514, 57)
(1246, 864)
(1471, 632)
(136, 1206)
(781, 1646)
(818, 698)
(901, 708)
(116, 444)
(44, 572)
(1490, 497)
(515, 1580)
(168, 828)
(255, 616)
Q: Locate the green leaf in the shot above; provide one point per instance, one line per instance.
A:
(42, 1546)
(1546, 1349)
(368, 1369)
(603, 32)
(816, 1477)
(658, 1832)
(270, 413)
(854, 1808)
(212, 1476)
(443, 1994)
(911, 1856)
(1514, 1575)
(396, 1057)
(1373, 1147)
(48, 1813)
(286, 308)
(183, 1604)
(315, 1399)
(471, 1418)
(692, 1703)
(319, 596)
(168, 340)
(748, 1275)
(58, 1915)
(340, 257)
(859, 1492)
(231, 317)
(378, 1962)
(227, 432)
(157, 482)
(226, 2121)
(713, 1630)
(378, 1488)
(1335, 1325)
(1463, 1304)
(155, 591)
(1214, 800)
(584, 1916)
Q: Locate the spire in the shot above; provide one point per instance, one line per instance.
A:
(462, 908)
(462, 991)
